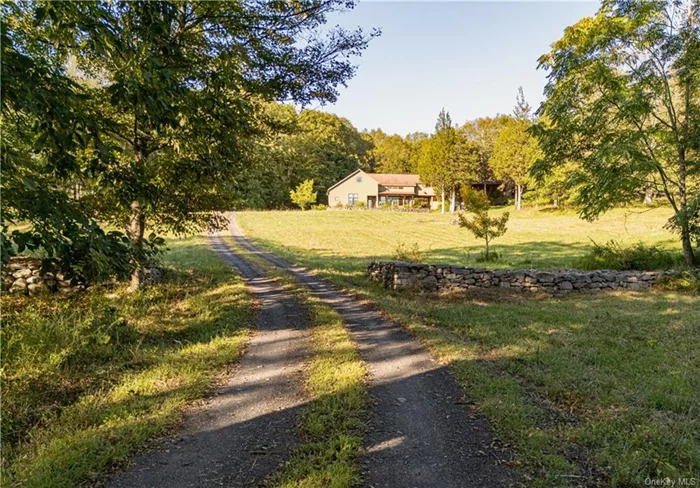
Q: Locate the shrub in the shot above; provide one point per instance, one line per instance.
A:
(684, 281)
(420, 203)
(404, 252)
(639, 257)
(319, 206)
(304, 195)
(360, 204)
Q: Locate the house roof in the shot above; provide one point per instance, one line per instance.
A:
(343, 180)
(395, 179)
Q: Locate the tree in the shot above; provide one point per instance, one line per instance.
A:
(47, 127)
(304, 194)
(444, 121)
(623, 101)
(515, 152)
(481, 226)
(179, 86)
(482, 133)
(391, 154)
(445, 160)
(522, 110)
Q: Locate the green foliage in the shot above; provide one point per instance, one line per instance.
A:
(304, 194)
(516, 151)
(155, 119)
(319, 206)
(447, 159)
(404, 252)
(623, 101)
(421, 203)
(294, 147)
(360, 204)
(390, 154)
(482, 226)
(482, 133)
(685, 281)
(89, 378)
(640, 256)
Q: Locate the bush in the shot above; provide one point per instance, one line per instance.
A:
(319, 206)
(684, 281)
(420, 203)
(360, 204)
(408, 253)
(638, 257)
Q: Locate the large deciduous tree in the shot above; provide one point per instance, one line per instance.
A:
(391, 153)
(482, 133)
(623, 100)
(516, 151)
(447, 160)
(179, 84)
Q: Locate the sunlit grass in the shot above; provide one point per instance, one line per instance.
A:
(534, 239)
(332, 424)
(587, 389)
(87, 379)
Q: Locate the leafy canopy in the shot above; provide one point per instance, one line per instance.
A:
(623, 101)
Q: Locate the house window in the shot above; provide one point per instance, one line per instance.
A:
(358, 179)
(352, 198)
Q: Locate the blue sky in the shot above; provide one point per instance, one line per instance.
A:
(469, 57)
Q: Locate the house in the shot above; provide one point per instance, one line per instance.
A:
(373, 189)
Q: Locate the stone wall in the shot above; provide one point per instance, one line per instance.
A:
(24, 276)
(400, 275)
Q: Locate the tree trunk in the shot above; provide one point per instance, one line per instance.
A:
(518, 197)
(486, 256)
(136, 228)
(453, 201)
(442, 197)
(688, 253)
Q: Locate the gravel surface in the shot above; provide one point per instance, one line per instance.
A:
(246, 429)
(421, 433)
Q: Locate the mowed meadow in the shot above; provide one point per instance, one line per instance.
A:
(345, 241)
(582, 390)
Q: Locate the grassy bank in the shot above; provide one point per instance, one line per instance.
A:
(332, 424)
(588, 390)
(87, 379)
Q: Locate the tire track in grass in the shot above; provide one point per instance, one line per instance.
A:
(332, 424)
(419, 434)
(246, 430)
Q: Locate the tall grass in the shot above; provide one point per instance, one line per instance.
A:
(87, 379)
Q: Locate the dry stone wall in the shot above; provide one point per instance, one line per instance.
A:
(399, 275)
(24, 276)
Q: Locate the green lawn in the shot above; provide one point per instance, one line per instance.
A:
(588, 390)
(87, 379)
(534, 239)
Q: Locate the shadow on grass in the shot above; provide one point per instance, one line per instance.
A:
(537, 254)
(111, 364)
